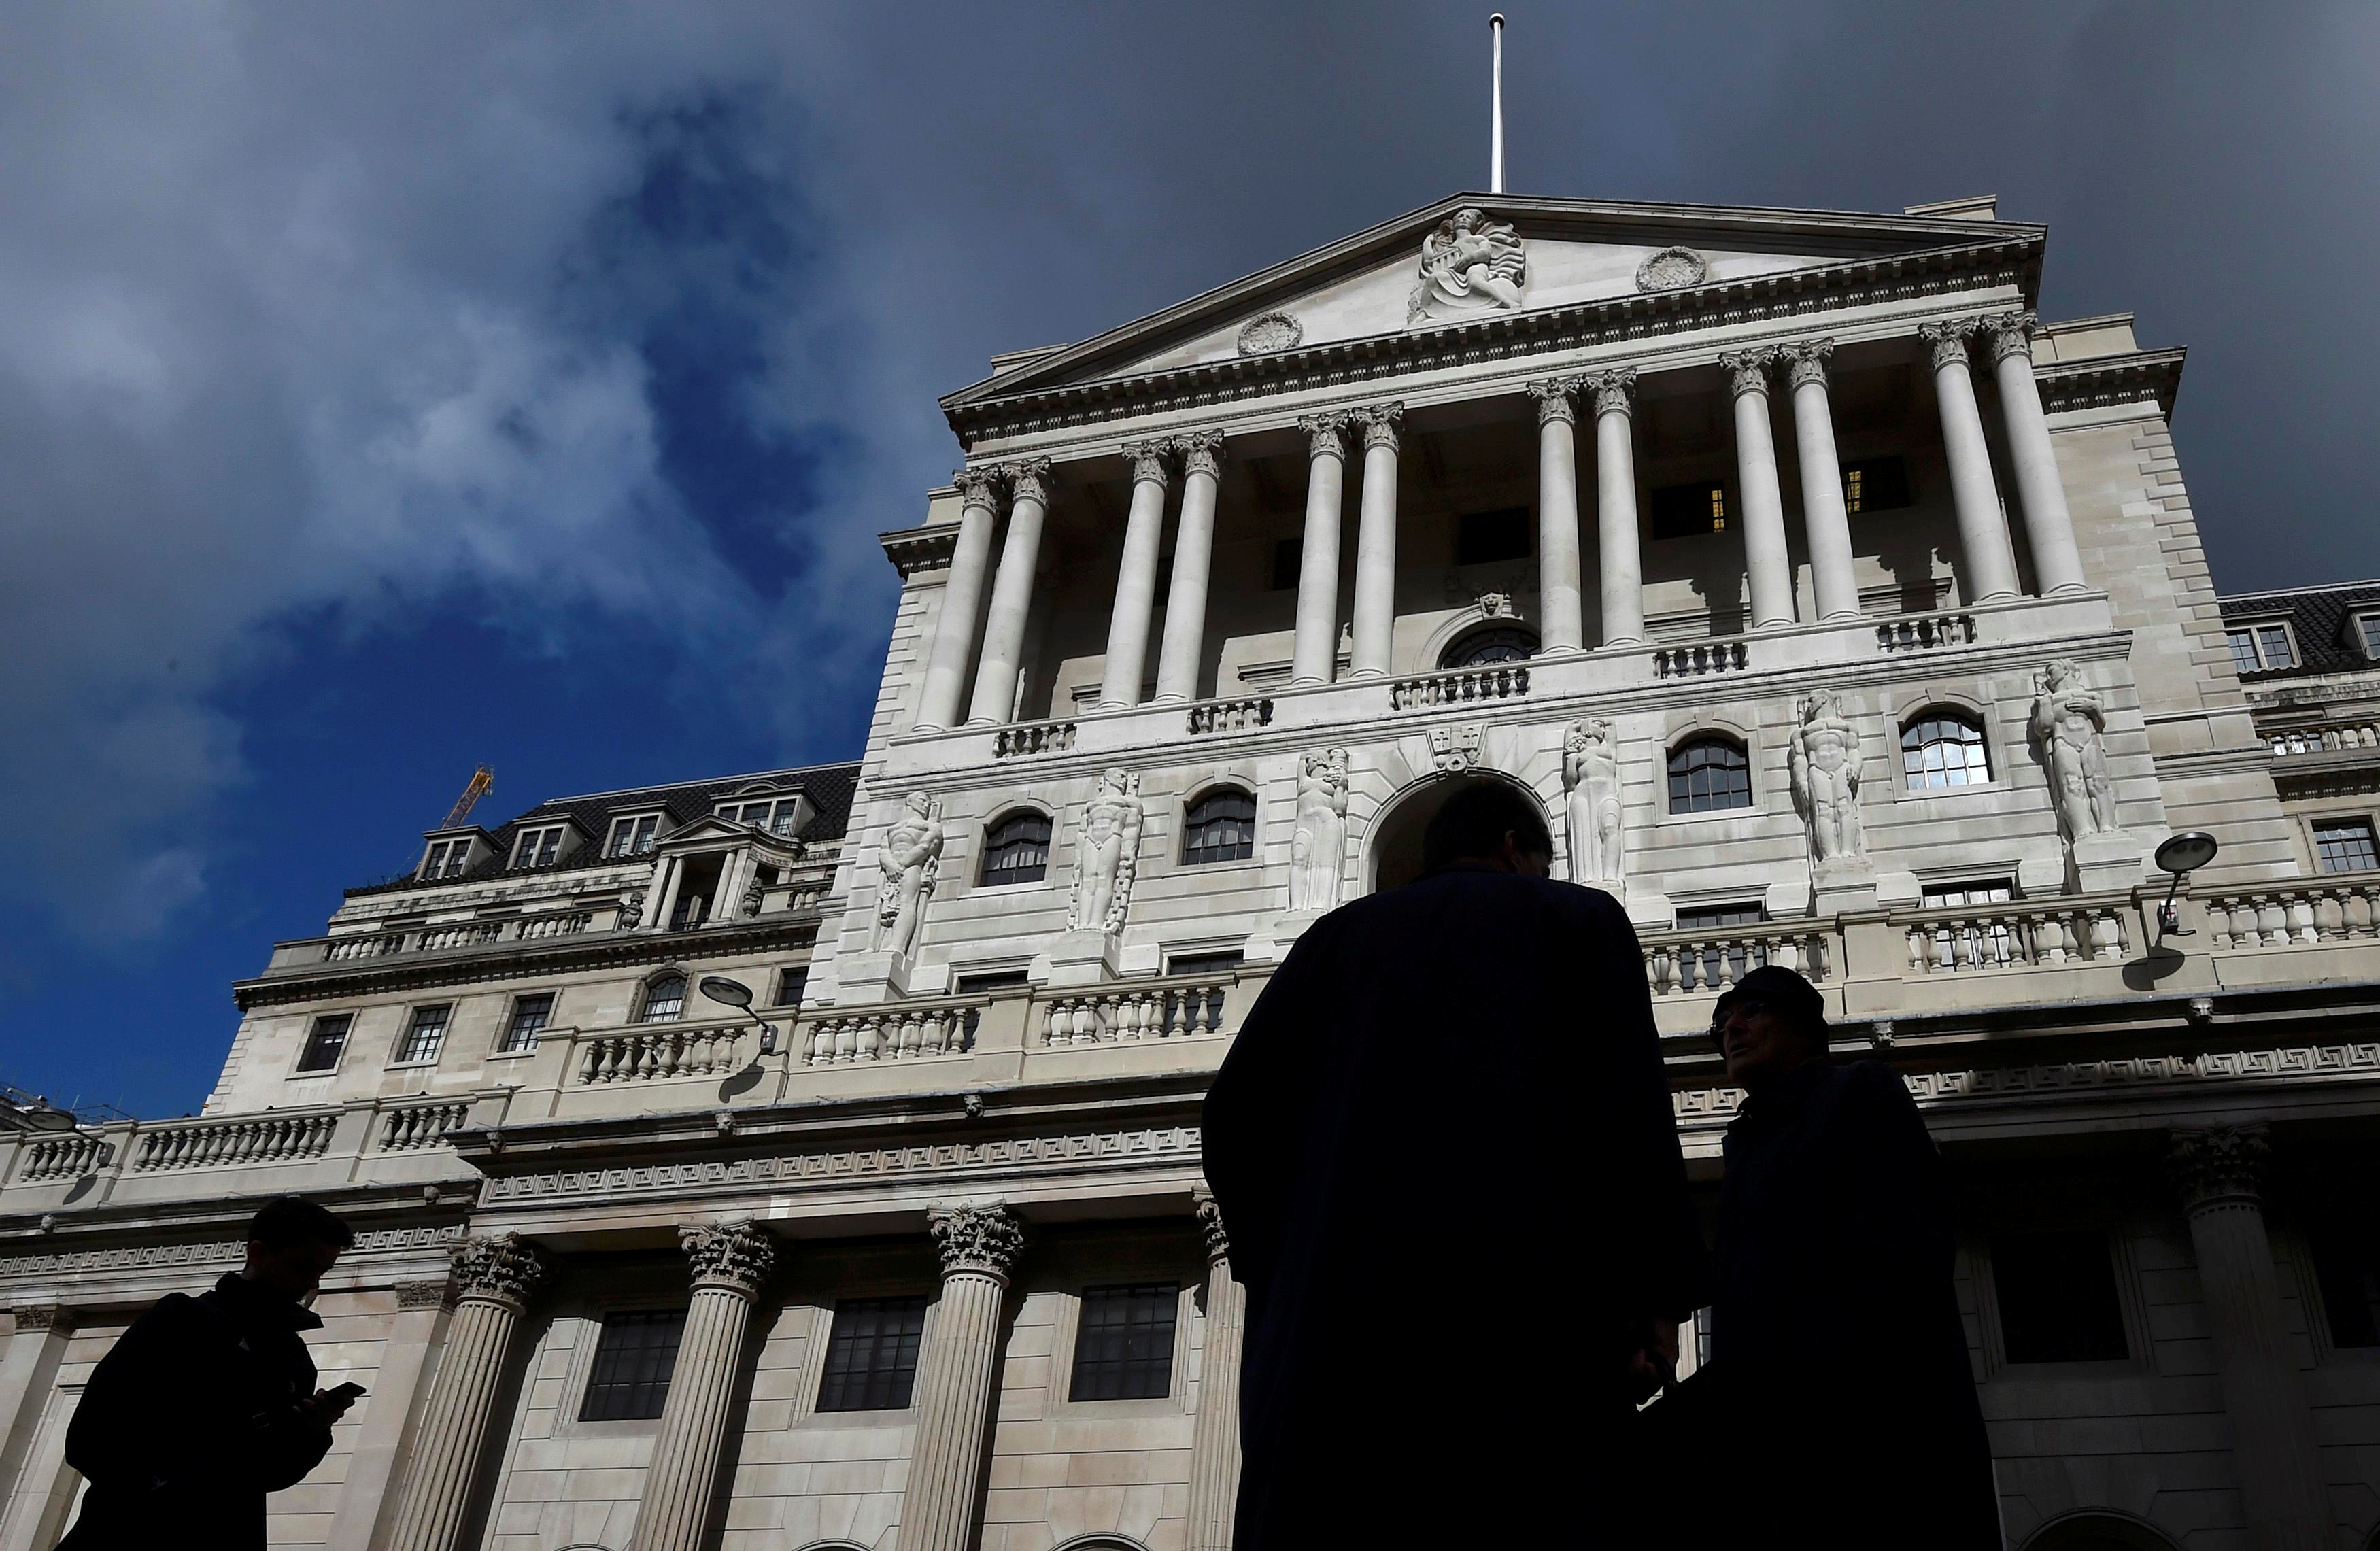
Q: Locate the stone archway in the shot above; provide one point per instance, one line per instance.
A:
(1393, 846)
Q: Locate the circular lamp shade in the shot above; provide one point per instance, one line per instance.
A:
(734, 993)
(2187, 852)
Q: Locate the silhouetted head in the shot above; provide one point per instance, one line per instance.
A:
(1494, 825)
(1770, 1023)
(292, 1243)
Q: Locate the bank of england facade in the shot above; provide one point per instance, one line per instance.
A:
(1841, 613)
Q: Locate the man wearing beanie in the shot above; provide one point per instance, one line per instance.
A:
(1840, 1386)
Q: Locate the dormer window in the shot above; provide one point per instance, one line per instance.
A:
(2367, 635)
(447, 858)
(2261, 648)
(633, 836)
(774, 815)
(538, 848)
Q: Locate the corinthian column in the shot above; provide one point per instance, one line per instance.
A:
(1564, 625)
(1983, 531)
(1135, 593)
(2218, 1172)
(1376, 543)
(1215, 1436)
(2056, 564)
(1829, 527)
(978, 1246)
(1315, 657)
(1615, 508)
(493, 1277)
(1012, 593)
(730, 1262)
(1193, 554)
(1765, 558)
(938, 701)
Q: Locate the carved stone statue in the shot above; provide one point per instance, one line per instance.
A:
(1591, 777)
(1317, 845)
(1826, 772)
(2068, 726)
(911, 855)
(1104, 857)
(632, 910)
(1469, 264)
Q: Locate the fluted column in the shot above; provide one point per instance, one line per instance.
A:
(2056, 564)
(2219, 1173)
(956, 1384)
(1983, 531)
(1136, 592)
(1376, 543)
(1215, 1434)
(1193, 554)
(1615, 508)
(1012, 593)
(938, 701)
(1827, 527)
(729, 1262)
(1314, 659)
(1765, 558)
(495, 1276)
(1561, 605)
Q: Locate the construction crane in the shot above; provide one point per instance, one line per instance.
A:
(483, 780)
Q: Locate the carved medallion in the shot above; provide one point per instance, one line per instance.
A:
(1673, 269)
(1270, 331)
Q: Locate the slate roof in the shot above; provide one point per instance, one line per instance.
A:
(829, 788)
(2318, 617)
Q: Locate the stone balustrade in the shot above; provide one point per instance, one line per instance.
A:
(900, 1032)
(460, 934)
(64, 1157)
(277, 1138)
(2014, 936)
(1024, 738)
(1229, 716)
(1687, 961)
(658, 1053)
(341, 949)
(560, 922)
(421, 1125)
(1116, 1014)
(2340, 908)
(1924, 632)
(1501, 681)
(1698, 658)
(2327, 737)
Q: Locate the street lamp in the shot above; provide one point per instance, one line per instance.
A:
(32, 1115)
(734, 993)
(2180, 855)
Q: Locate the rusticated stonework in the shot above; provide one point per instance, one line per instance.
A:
(498, 1268)
(2224, 1163)
(733, 1254)
(983, 1240)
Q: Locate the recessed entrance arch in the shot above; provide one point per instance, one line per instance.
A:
(1392, 850)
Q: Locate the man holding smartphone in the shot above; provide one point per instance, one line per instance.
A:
(206, 1404)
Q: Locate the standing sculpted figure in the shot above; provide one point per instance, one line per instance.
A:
(1825, 771)
(2067, 725)
(1591, 777)
(908, 859)
(1318, 846)
(1468, 264)
(1104, 857)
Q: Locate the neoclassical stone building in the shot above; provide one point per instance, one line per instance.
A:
(1841, 612)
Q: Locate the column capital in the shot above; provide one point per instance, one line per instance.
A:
(1326, 435)
(1747, 371)
(1148, 460)
(1809, 357)
(735, 1255)
(497, 1268)
(1382, 423)
(979, 487)
(1615, 391)
(2221, 1165)
(428, 1293)
(1947, 340)
(1202, 453)
(1210, 1223)
(43, 1316)
(2012, 334)
(1028, 479)
(984, 1240)
(1556, 399)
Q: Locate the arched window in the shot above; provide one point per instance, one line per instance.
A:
(1219, 827)
(664, 999)
(1016, 848)
(1497, 643)
(1707, 775)
(1944, 748)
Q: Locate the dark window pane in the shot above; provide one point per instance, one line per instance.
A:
(2369, 626)
(1016, 849)
(530, 1014)
(2349, 1271)
(1204, 964)
(2273, 645)
(1944, 750)
(791, 984)
(871, 1358)
(2057, 1297)
(633, 1359)
(1502, 643)
(1124, 1348)
(2346, 846)
(1288, 556)
(1685, 510)
(1707, 775)
(665, 999)
(1484, 537)
(1219, 827)
(424, 1035)
(1715, 916)
(328, 1037)
(1875, 485)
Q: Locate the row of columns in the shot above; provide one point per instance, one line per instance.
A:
(957, 1384)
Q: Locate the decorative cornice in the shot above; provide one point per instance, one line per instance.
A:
(2010, 334)
(1809, 357)
(1556, 399)
(1148, 460)
(52, 1317)
(2108, 380)
(979, 487)
(1383, 425)
(1326, 435)
(1947, 340)
(1615, 391)
(736, 1255)
(2221, 1166)
(1747, 371)
(978, 1241)
(427, 1294)
(1202, 453)
(1210, 1223)
(913, 550)
(1028, 479)
(497, 1268)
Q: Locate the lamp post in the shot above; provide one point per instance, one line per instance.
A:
(735, 994)
(2180, 855)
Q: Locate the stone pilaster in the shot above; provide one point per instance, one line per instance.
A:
(955, 1386)
(365, 1501)
(729, 1261)
(29, 1368)
(495, 1276)
(1215, 1437)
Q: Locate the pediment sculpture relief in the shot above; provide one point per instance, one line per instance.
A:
(1469, 265)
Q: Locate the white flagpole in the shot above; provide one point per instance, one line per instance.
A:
(1496, 125)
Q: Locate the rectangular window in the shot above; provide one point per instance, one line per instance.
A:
(791, 984)
(530, 1014)
(2057, 1297)
(2261, 648)
(633, 1359)
(538, 848)
(1487, 536)
(1703, 918)
(2367, 633)
(2345, 845)
(1288, 559)
(1685, 510)
(871, 1357)
(447, 858)
(991, 980)
(770, 816)
(424, 1035)
(1875, 485)
(1204, 964)
(324, 1041)
(2243, 650)
(2348, 1272)
(632, 836)
(1123, 1349)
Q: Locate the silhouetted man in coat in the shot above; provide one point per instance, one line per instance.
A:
(1443, 1152)
(207, 1403)
(1838, 1389)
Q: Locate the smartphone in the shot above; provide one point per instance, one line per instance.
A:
(350, 1390)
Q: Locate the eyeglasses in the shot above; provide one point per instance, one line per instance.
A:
(1745, 1009)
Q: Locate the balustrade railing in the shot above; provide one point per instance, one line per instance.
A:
(560, 922)
(1501, 681)
(339, 950)
(1116, 1014)
(462, 934)
(2341, 908)
(2329, 737)
(1924, 631)
(1699, 658)
(222, 1144)
(2015, 936)
(1032, 737)
(421, 1125)
(657, 1053)
(1229, 716)
(64, 1157)
(1687, 962)
(894, 1032)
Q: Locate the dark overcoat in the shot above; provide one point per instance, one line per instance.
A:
(190, 1419)
(1443, 1151)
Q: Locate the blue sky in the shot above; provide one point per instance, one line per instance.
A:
(385, 390)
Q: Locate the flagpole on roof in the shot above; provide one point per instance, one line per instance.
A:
(1496, 116)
